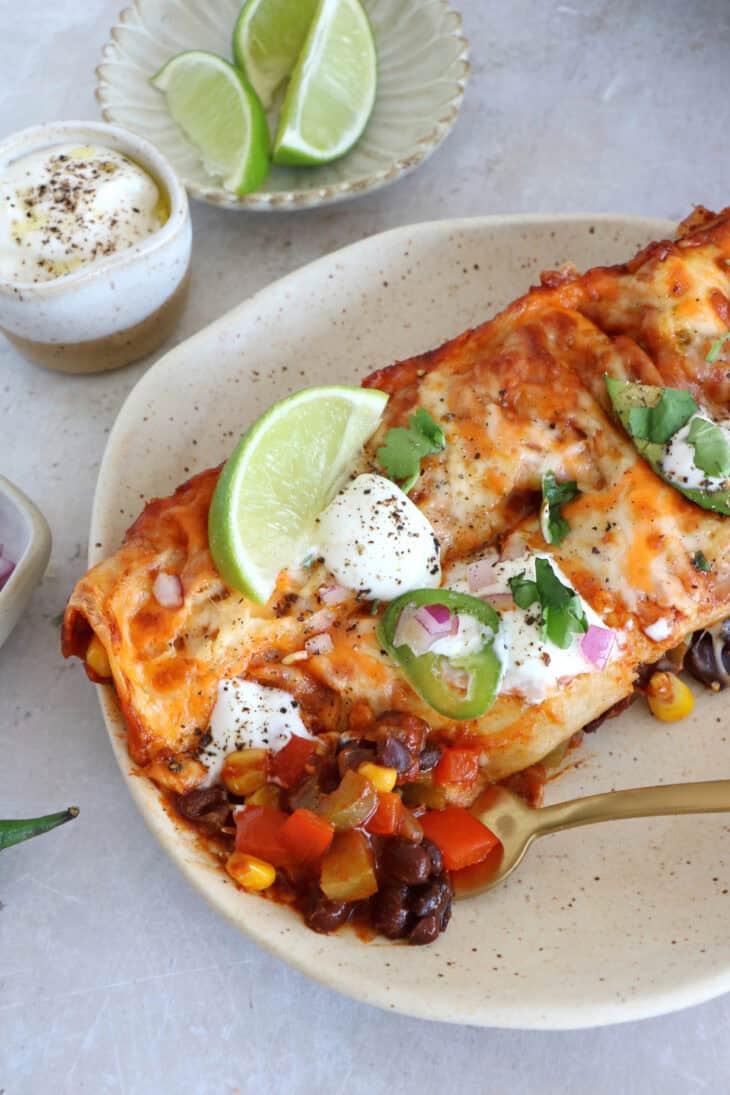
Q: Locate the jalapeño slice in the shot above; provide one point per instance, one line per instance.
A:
(458, 686)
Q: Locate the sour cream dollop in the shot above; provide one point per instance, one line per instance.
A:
(678, 463)
(69, 206)
(376, 541)
(248, 715)
(532, 667)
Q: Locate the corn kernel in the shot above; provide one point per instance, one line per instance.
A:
(250, 872)
(669, 697)
(382, 779)
(97, 660)
(245, 771)
(268, 795)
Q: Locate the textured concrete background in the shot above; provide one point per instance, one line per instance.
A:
(114, 976)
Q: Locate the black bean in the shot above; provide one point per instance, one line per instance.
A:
(327, 915)
(407, 862)
(391, 916)
(429, 758)
(196, 803)
(394, 754)
(353, 755)
(209, 806)
(446, 915)
(431, 898)
(708, 661)
(425, 931)
(437, 860)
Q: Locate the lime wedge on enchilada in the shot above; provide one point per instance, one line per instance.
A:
(283, 472)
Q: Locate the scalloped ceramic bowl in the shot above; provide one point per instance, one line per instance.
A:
(422, 60)
(26, 539)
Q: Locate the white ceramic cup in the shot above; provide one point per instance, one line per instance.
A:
(119, 308)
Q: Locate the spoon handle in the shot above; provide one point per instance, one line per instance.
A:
(708, 797)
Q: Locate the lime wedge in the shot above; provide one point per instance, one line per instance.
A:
(284, 471)
(332, 89)
(219, 112)
(267, 40)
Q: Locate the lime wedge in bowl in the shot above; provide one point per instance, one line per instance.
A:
(284, 471)
(267, 40)
(331, 92)
(218, 111)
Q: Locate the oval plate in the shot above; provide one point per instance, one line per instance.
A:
(422, 72)
(617, 922)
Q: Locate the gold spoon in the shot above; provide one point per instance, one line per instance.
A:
(516, 824)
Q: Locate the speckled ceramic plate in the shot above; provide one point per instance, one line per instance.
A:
(422, 70)
(599, 925)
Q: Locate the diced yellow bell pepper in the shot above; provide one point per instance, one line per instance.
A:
(348, 869)
(350, 804)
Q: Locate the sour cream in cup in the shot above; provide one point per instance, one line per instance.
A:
(95, 242)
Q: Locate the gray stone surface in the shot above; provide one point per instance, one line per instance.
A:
(115, 977)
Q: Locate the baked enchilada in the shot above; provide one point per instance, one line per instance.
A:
(449, 629)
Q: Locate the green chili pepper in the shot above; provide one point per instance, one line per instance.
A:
(428, 673)
(13, 832)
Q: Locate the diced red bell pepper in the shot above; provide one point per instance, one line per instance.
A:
(457, 766)
(388, 816)
(306, 836)
(289, 764)
(259, 832)
(462, 839)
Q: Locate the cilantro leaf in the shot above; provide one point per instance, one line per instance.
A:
(714, 351)
(401, 453)
(524, 592)
(701, 562)
(563, 616)
(712, 451)
(554, 495)
(423, 422)
(660, 422)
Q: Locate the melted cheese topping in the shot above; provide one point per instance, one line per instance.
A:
(517, 396)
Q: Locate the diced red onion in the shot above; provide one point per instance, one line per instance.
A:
(168, 590)
(321, 620)
(6, 567)
(501, 601)
(482, 575)
(437, 620)
(319, 644)
(440, 613)
(333, 595)
(418, 628)
(596, 645)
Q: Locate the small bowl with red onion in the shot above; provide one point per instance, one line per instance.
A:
(25, 545)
